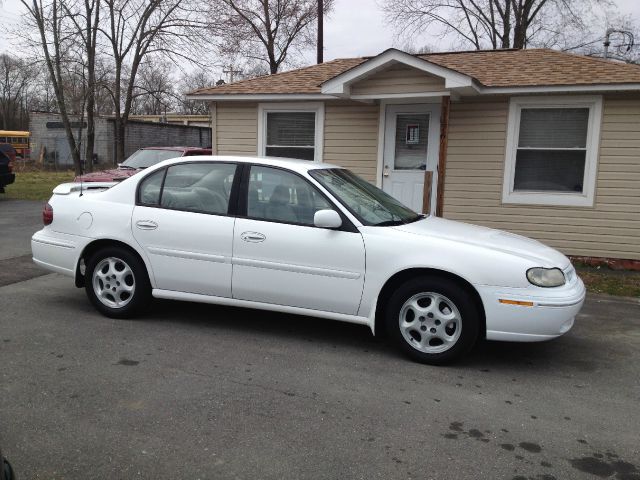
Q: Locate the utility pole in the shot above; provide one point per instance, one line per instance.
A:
(232, 73)
(320, 30)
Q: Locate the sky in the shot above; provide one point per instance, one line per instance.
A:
(354, 28)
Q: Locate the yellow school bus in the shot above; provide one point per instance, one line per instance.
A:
(18, 140)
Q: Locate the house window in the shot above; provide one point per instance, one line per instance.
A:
(552, 150)
(291, 130)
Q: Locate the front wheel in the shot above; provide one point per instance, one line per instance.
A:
(117, 283)
(433, 320)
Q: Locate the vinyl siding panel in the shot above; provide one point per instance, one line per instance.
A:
(236, 128)
(475, 166)
(398, 80)
(351, 137)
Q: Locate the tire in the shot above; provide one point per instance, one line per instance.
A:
(432, 320)
(117, 283)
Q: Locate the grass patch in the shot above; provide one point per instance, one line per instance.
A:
(36, 185)
(624, 283)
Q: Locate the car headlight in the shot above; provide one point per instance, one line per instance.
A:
(546, 277)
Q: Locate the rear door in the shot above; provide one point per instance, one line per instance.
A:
(280, 257)
(181, 220)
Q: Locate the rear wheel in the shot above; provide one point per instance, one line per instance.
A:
(432, 320)
(117, 283)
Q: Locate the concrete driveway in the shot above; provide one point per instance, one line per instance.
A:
(199, 391)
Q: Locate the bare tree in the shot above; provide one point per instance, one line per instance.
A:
(84, 16)
(265, 30)
(136, 29)
(52, 25)
(17, 78)
(200, 78)
(154, 92)
(489, 23)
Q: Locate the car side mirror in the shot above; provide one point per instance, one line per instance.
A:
(327, 219)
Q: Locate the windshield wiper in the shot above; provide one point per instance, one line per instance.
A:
(416, 218)
(389, 223)
(128, 167)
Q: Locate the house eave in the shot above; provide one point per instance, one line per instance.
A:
(454, 92)
(258, 97)
(615, 87)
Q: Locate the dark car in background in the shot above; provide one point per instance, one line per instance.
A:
(6, 472)
(7, 158)
(143, 158)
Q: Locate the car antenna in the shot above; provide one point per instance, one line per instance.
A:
(81, 175)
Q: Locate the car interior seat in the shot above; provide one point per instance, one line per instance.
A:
(279, 207)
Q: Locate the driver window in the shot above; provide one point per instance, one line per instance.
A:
(281, 196)
(198, 187)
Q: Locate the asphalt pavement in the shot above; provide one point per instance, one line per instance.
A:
(205, 392)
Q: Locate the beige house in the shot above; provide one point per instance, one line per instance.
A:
(537, 142)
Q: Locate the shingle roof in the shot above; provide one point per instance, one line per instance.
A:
(489, 68)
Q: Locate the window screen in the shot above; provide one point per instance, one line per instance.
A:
(552, 150)
(291, 134)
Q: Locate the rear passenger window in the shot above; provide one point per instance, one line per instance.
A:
(149, 193)
(198, 187)
(282, 196)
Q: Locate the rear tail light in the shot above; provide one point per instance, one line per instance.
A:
(47, 214)
(10, 166)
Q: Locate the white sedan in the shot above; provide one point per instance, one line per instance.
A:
(305, 238)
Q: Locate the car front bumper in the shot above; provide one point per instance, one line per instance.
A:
(539, 314)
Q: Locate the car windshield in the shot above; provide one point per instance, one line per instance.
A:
(369, 204)
(148, 157)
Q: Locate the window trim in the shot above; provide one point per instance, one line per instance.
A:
(570, 199)
(243, 200)
(308, 107)
(235, 186)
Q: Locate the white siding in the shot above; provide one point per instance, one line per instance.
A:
(398, 79)
(236, 128)
(473, 185)
(351, 137)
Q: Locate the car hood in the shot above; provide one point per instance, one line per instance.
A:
(112, 175)
(490, 238)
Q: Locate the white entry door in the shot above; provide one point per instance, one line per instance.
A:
(411, 144)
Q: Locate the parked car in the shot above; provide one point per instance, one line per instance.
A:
(143, 158)
(305, 238)
(7, 158)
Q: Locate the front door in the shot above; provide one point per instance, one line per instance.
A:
(280, 257)
(411, 147)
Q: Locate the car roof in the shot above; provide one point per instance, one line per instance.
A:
(176, 149)
(293, 164)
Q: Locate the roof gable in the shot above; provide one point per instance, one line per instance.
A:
(339, 85)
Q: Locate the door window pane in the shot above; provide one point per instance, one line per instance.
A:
(199, 187)
(412, 132)
(281, 196)
(291, 134)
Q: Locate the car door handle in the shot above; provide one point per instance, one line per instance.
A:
(146, 225)
(253, 237)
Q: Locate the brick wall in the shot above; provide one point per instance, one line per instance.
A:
(46, 131)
